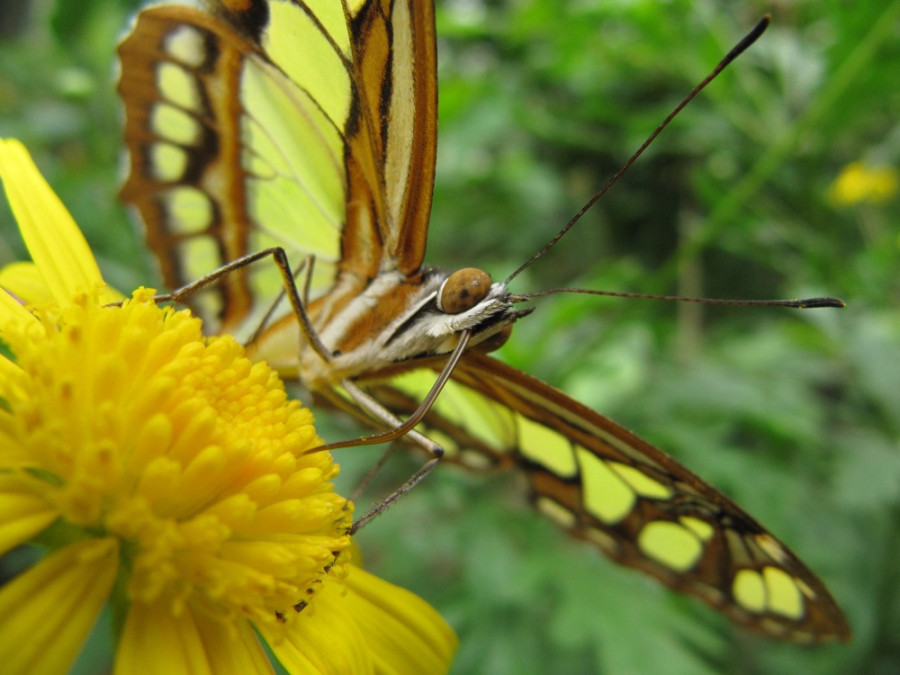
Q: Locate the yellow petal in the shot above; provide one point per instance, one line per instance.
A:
(157, 641)
(322, 639)
(373, 627)
(13, 315)
(8, 369)
(241, 653)
(56, 244)
(24, 281)
(401, 629)
(22, 515)
(49, 610)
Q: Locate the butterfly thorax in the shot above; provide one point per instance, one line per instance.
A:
(394, 320)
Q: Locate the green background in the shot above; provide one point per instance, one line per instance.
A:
(796, 415)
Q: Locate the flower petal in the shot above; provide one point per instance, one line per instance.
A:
(13, 315)
(402, 630)
(23, 280)
(228, 652)
(373, 627)
(22, 515)
(322, 639)
(158, 640)
(56, 244)
(49, 610)
(8, 369)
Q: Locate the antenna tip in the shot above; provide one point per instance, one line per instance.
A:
(815, 303)
(760, 27)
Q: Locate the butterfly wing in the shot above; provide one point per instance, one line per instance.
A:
(311, 125)
(306, 125)
(604, 484)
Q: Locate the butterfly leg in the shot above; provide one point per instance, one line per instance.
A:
(182, 294)
(398, 429)
(279, 255)
(306, 264)
(363, 484)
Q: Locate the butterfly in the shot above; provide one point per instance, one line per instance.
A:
(311, 125)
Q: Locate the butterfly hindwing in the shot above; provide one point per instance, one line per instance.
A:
(605, 485)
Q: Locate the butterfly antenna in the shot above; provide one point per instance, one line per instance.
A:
(736, 51)
(805, 303)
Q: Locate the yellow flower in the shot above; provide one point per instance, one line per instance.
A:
(859, 183)
(167, 475)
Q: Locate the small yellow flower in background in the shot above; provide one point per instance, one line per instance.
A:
(859, 183)
(168, 475)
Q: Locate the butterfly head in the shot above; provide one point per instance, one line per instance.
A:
(467, 299)
(439, 309)
(463, 289)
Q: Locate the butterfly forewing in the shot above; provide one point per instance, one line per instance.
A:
(311, 126)
(394, 54)
(240, 140)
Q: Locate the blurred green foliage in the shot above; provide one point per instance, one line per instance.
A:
(793, 414)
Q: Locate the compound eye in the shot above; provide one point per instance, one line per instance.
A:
(463, 290)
